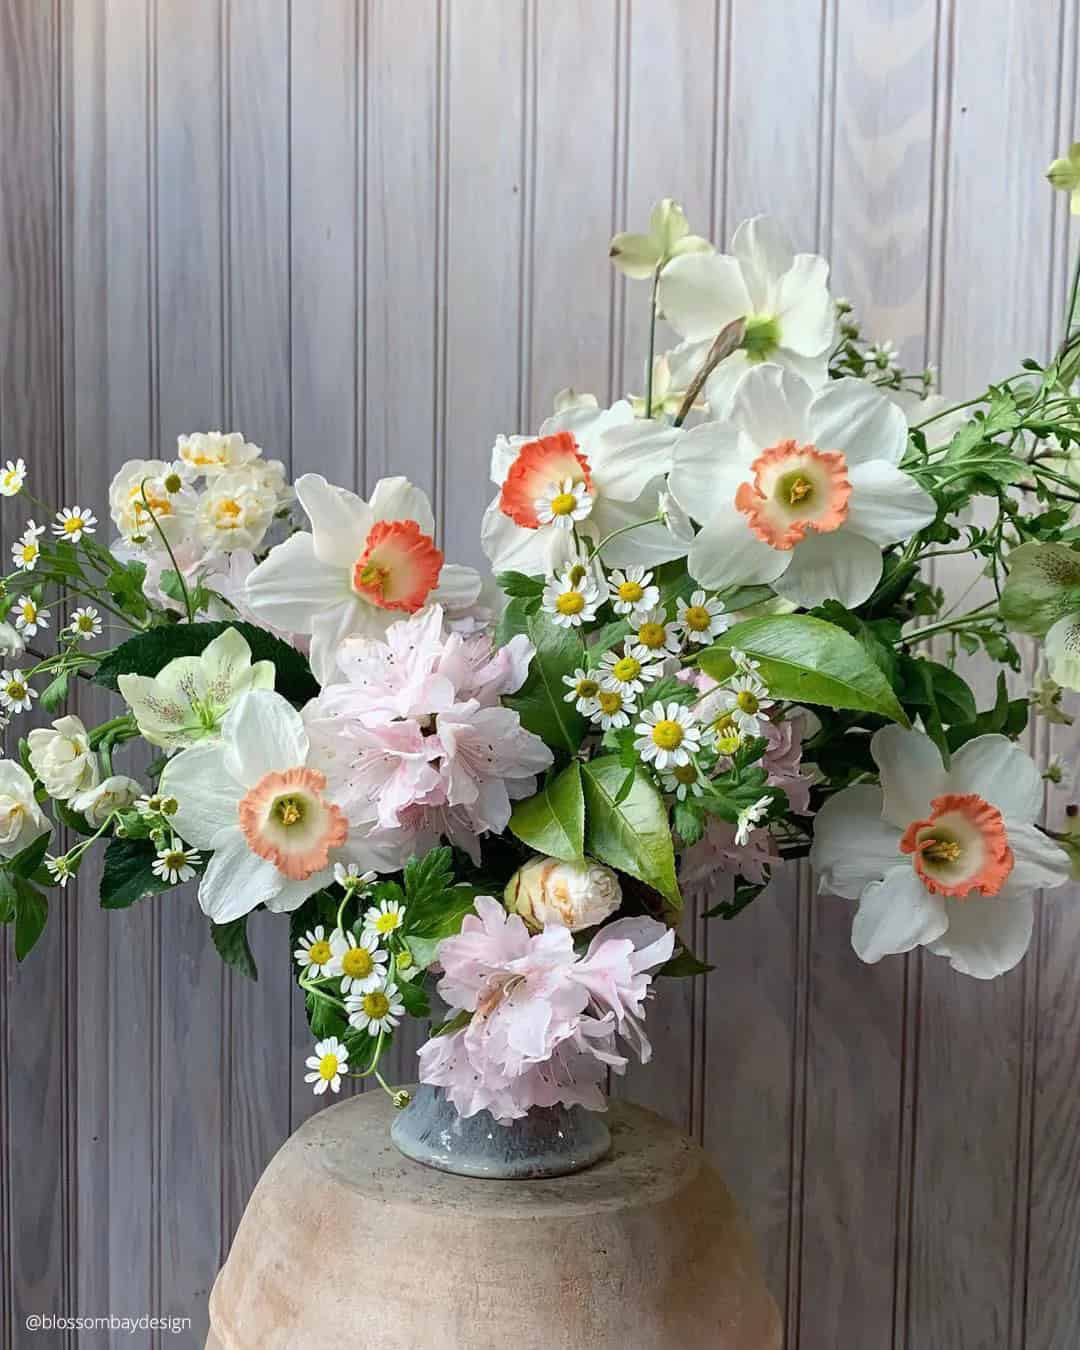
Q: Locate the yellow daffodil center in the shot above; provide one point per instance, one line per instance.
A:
(652, 635)
(747, 701)
(386, 923)
(610, 701)
(942, 850)
(685, 773)
(563, 503)
(328, 1067)
(376, 1004)
(697, 618)
(570, 602)
(631, 592)
(319, 953)
(357, 963)
(796, 489)
(626, 668)
(668, 734)
(289, 810)
(586, 689)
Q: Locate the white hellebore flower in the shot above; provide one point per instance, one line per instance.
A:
(61, 757)
(639, 255)
(188, 698)
(782, 296)
(111, 794)
(798, 489)
(250, 799)
(600, 467)
(363, 566)
(940, 858)
(575, 895)
(21, 819)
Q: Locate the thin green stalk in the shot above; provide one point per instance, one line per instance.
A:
(168, 549)
(652, 342)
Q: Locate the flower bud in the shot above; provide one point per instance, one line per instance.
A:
(574, 894)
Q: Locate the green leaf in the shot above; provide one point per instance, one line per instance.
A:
(127, 875)
(325, 1019)
(429, 875)
(9, 896)
(55, 692)
(519, 586)
(125, 584)
(414, 998)
(147, 653)
(515, 619)
(31, 911)
(27, 862)
(632, 835)
(807, 660)
(231, 942)
(746, 892)
(684, 964)
(553, 821)
(541, 702)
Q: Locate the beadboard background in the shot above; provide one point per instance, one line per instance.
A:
(372, 235)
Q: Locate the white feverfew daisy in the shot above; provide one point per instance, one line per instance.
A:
(700, 619)
(384, 918)
(15, 692)
(327, 1064)
(667, 736)
(378, 1010)
(12, 477)
(571, 600)
(632, 592)
(350, 878)
(314, 954)
(175, 863)
(749, 818)
(72, 522)
(30, 619)
(747, 702)
(156, 804)
(85, 623)
(613, 709)
(684, 781)
(59, 869)
(27, 549)
(360, 964)
(562, 503)
(584, 690)
(656, 636)
(627, 672)
(744, 664)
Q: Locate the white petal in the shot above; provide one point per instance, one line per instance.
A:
(764, 251)
(727, 553)
(503, 453)
(398, 499)
(771, 404)
(340, 521)
(1063, 651)
(722, 383)
(263, 733)
(805, 307)
(512, 548)
(458, 588)
(236, 880)
(840, 566)
(627, 458)
(292, 585)
(1038, 863)
(291, 894)
(648, 545)
(911, 771)
(702, 292)
(987, 934)
(853, 844)
(886, 505)
(1001, 772)
(207, 793)
(895, 915)
(329, 629)
(588, 423)
(852, 416)
(708, 465)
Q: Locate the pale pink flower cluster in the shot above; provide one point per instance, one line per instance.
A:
(544, 1019)
(414, 741)
(782, 760)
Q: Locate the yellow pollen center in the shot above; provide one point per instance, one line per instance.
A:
(289, 810)
(942, 851)
(29, 552)
(404, 960)
(174, 861)
(747, 701)
(376, 1004)
(328, 1067)
(631, 592)
(610, 701)
(685, 773)
(73, 524)
(668, 734)
(563, 503)
(173, 483)
(626, 668)
(697, 618)
(29, 609)
(586, 689)
(16, 690)
(357, 963)
(727, 734)
(799, 490)
(652, 635)
(374, 574)
(386, 923)
(319, 953)
(230, 508)
(570, 602)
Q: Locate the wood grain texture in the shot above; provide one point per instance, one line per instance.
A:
(371, 234)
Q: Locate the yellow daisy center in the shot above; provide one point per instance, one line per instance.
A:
(328, 1067)
(563, 503)
(404, 960)
(173, 482)
(357, 963)
(570, 602)
(610, 701)
(386, 923)
(668, 734)
(652, 635)
(631, 592)
(73, 524)
(29, 609)
(626, 668)
(319, 953)
(586, 689)
(376, 1004)
(727, 734)
(16, 690)
(697, 618)
(29, 552)
(685, 773)
(747, 701)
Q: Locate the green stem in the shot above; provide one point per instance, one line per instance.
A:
(168, 550)
(652, 343)
(623, 529)
(976, 617)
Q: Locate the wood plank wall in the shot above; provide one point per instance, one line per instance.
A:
(372, 235)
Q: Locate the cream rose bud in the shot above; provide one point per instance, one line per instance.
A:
(61, 757)
(574, 894)
(21, 819)
(113, 794)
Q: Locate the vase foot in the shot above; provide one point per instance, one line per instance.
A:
(551, 1141)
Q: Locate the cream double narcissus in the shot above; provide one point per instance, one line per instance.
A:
(364, 565)
(941, 858)
(595, 470)
(798, 490)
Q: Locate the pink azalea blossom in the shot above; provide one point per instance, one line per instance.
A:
(717, 852)
(544, 1019)
(782, 760)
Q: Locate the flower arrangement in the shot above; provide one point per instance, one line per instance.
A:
(704, 653)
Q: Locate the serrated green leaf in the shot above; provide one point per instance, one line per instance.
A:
(553, 821)
(230, 940)
(633, 835)
(428, 875)
(519, 586)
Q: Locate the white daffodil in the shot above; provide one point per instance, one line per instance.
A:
(61, 757)
(21, 819)
(798, 489)
(27, 549)
(384, 918)
(940, 858)
(613, 709)
(700, 619)
(360, 962)
(782, 296)
(141, 503)
(175, 864)
(617, 459)
(666, 399)
(632, 592)
(215, 452)
(114, 793)
(73, 522)
(235, 511)
(667, 736)
(12, 477)
(327, 1064)
(378, 1010)
(627, 672)
(363, 566)
(85, 623)
(30, 617)
(16, 694)
(640, 255)
(250, 799)
(655, 636)
(750, 817)
(570, 600)
(584, 688)
(314, 952)
(188, 698)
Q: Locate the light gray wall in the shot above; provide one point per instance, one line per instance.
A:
(371, 236)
